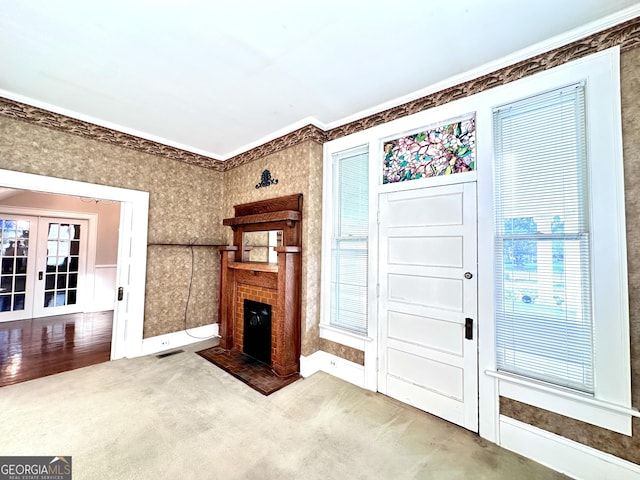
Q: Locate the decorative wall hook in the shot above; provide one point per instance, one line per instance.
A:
(267, 180)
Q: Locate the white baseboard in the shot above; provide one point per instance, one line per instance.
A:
(169, 341)
(311, 364)
(333, 365)
(566, 456)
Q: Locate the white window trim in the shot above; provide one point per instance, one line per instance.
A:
(344, 337)
(565, 402)
(363, 342)
(610, 406)
(600, 70)
(330, 332)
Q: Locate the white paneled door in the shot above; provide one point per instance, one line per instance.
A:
(428, 301)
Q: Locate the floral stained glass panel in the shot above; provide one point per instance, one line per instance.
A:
(442, 150)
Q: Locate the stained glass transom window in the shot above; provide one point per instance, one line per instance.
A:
(442, 150)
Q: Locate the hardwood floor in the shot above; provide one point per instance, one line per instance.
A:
(39, 347)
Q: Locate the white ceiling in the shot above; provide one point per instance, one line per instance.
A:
(217, 78)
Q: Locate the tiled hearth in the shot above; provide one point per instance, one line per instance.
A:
(256, 374)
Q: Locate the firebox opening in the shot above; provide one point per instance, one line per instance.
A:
(257, 331)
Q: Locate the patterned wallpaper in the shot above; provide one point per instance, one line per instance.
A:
(167, 289)
(184, 207)
(184, 203)
(298, 169)
(627, 35)
(342, 351)
(630, 92)
(62, 123)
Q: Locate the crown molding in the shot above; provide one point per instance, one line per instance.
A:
(63, 123)
(310, 132)
(626, 35)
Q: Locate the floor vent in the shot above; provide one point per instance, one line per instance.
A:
(168, 354)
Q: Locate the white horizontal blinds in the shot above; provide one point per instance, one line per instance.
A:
(543, 311)
(350, 241)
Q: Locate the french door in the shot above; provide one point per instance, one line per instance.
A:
(43, 266)
(17, 269)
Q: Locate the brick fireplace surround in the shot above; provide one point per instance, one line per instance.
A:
(256, 293)
(277, 285)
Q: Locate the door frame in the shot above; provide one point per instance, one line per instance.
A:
(92, 236)
(128, 319)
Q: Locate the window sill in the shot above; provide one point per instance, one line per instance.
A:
(569, 404)
(344, 337)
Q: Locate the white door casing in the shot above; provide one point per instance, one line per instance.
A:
(123, 275)
(428, 242)
(127, 332)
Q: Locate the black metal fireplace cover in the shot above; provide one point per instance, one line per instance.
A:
(257, 330)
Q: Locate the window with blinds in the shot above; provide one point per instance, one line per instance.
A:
(349, 241)
(543, 288)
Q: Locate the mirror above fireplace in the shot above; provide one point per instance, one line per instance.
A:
(259, 246)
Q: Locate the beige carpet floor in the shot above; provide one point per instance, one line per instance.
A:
(180, 417)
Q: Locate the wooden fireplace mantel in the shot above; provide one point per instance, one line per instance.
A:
(284, 215)
(254, 267)
(281, 282)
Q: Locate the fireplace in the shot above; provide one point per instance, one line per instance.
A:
(275, 282)
(257, 331)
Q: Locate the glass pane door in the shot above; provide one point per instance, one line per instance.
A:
(13, 277)
(63, 250)
(17, 265)
(61, 263)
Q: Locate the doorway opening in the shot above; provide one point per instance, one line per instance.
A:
(130, 263)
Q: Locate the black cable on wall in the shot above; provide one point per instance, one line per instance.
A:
(189, 245)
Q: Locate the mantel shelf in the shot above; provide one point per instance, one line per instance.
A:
(254, 266)
(282, 215)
